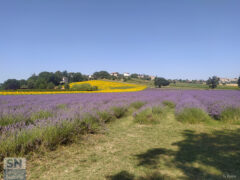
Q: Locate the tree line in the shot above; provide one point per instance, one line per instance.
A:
(51, 80)
(44, 80)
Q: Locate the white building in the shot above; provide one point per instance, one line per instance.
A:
(152, 77)
(228, 80)
(126, 74)
(115, 74)
(64, 80)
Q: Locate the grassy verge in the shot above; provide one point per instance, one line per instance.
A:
(153, 143)
(129, 150)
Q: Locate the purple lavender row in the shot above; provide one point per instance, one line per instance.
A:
(71, 106)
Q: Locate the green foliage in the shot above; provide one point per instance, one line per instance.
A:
(146, 77)
(119, 111)
(56, 135)
(101, 75)
(158, 110)
(88, 124)
(41, 84)
(50, 137)
(146, 116)
(41, 115)
(23, 84)
(84, 87)
(239, 82)
(161, 111)
(169, 104)
(152, 115)
(230, 115)
(159, 82)
(94, 88)
(66, 87)
(213, 82)
(192, 116)
(59, 87)
(77, 77)
(11, 84)
(50, 85)
(134, 75)
(105, 116)
(30, 84)
(10, 119)
(137, 104)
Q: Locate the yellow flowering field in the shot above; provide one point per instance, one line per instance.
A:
(103, 87)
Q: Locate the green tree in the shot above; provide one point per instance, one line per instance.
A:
(159, 82)
(23, 84)
(101, 75)
(50, 85)
(134, 75)
(11, 84)
(213, 82)
(41, 84)
(239, 81)
(58, 77)
(31, 84)
(146, 77)
(77, 77)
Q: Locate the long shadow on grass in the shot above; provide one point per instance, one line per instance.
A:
(124, 175)
(213, 153)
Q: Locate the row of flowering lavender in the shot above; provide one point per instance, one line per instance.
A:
(29, 111)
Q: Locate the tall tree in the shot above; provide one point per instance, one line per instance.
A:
(11, 84)
(239, 81)
(101, 75)
(134, 75)
(77, 77)
(213, 82)
(159, 82)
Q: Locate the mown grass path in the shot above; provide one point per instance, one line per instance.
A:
(126, 150)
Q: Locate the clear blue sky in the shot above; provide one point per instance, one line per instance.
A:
(191, 39)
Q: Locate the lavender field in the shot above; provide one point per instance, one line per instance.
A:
(50, 118)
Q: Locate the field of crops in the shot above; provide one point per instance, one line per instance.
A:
(103, 87)
(27, 121)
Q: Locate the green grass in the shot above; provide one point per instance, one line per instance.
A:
(10, 119)
(230, 115)
(127, 150)
(193, 116)
(141, 82)
(84, 87)
(180, 85)
(152, 115)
